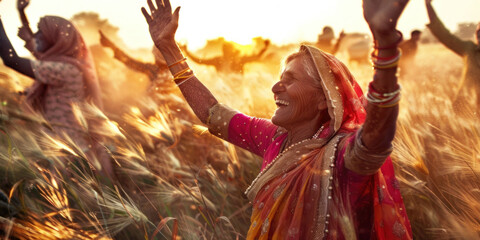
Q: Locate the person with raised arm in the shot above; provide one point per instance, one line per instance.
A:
(154, 71)
(231, 60)
(326, 171)
(325, 39)
(64, 75)
(468, 50)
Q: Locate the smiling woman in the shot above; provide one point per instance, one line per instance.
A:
(296, 93)
(326, 169)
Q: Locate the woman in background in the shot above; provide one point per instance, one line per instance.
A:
(64, 74)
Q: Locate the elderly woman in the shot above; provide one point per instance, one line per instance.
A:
(326, 171)
(64, 74)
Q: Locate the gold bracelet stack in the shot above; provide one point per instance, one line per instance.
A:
(183, 75)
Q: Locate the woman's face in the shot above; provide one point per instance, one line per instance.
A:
(297, 98)
(41, 44)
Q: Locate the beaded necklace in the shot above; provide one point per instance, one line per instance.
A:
(315, 136)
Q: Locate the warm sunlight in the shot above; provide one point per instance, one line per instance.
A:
(281, 21)
(253, 123)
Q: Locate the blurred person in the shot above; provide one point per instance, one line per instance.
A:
(409, 50)
(157, 72)
(160, 92)
(326, 169)
(231, 60)
(469, 84)
(64, 74)
(325, 39)
(359, 51)
(161, 85)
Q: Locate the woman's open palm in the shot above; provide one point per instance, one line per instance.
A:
(161, 22)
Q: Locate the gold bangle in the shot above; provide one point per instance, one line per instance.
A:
(176, 79)
(177, 62)
(178, 74)
(390, 105)
(391, 65)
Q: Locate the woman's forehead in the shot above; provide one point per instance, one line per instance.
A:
(292, 71)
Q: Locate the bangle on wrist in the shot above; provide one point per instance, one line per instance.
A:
(177, 62)
(383, 100)
(385, 62)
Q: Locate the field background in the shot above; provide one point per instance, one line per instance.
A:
(174, 180)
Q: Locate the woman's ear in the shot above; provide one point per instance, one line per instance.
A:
(322, 105)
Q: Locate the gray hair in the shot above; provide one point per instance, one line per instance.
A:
(308, 65)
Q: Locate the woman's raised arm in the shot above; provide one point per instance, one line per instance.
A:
(10, 57)
(25, 32)
(162, 25)
(384, 91)
(374, 142)
(442, 34)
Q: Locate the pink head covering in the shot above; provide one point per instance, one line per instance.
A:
(67, 45)
(344, 95)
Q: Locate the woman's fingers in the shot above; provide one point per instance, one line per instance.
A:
(159, 4)
(147, 16)
(176, 14)
(168, 7)
(151, 6)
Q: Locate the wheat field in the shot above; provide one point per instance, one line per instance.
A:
(175, 181)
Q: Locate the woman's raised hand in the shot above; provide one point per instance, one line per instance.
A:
(105, 41)
(22, 4)
(24, 34)
(162, 23)
(382, 16)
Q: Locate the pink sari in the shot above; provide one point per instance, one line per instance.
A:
(306, 191)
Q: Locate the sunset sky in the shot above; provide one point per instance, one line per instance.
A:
(240, 21)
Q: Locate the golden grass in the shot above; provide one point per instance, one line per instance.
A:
(172, 176)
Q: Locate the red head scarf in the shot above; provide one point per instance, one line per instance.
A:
(344, 95)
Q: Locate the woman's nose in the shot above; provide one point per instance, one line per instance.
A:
(278, 87)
